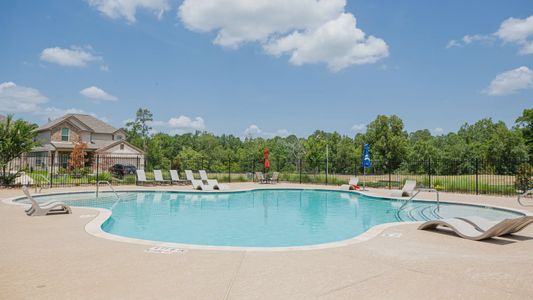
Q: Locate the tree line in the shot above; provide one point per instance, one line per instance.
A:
(501, 148)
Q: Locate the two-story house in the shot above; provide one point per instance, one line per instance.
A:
(57, 138)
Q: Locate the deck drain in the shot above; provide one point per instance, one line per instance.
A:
(392, 234)
(165, 250)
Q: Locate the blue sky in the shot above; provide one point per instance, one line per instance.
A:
(289, 66)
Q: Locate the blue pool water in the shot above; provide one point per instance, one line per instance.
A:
(261, 218)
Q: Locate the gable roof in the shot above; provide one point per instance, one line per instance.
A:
(92, 123)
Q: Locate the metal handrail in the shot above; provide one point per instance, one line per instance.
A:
(40, 184)
(422, 190)
(530, 191)
(108, 184)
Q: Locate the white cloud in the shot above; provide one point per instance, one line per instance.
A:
(338, 43)
(127, 9)
(309, 31)
(54, 112)
(96, 93)
(359, 127)
(181, 124)
(511, 81)
(19, 99)
(73, 57)
(186, 123)
(254, 131)
(282, 133)
(517, 31)
(512, 30)
(437, 131)
(469, 39)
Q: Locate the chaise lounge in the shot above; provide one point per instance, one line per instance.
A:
(352, 184)
(158, 177)
(468, 229)
(197, 184)
(407, 190)
(212, 182)
(141, 177)
(48, 208)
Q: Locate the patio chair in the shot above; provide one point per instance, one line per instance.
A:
(48, 208)
(174, 177)
(352, 184)
(483, 224)
(158, 176)
(260, 177)
(406, 191)
(468, 231)
(141, 177)
(212, 182)
(274, 178)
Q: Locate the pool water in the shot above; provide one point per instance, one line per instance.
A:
(260, 218)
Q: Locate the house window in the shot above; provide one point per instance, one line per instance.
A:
(119, 137)
(64, 134)
(121, 146)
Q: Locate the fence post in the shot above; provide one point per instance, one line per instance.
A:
(97, 167)
(51, 167)
(253, 170)
(327, 171)
(389, 179)
(229, 169)
(429, 171)
(477, 176)
(300, 169)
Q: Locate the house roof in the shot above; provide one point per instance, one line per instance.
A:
(91, 123)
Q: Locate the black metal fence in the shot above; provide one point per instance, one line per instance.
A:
(464, 176)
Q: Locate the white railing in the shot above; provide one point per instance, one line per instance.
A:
(108, 184)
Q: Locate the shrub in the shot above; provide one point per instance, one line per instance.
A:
(523, 177)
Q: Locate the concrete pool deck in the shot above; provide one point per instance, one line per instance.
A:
(54, 257)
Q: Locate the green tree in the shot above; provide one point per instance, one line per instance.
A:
(16, 138)
(388, 141)
(139, 129)
(525, 124)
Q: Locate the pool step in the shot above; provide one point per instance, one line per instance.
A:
(418, 212)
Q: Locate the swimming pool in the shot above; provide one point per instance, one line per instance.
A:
(258, 218)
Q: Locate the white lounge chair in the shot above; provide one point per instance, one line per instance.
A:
(141, 177)
(197, 184)
(466, 230)
(406, 191)
(158, 177)
(212, 182)
(174, 177)
(483, 224)
(351, 184)
(260, 177)
(48, 208)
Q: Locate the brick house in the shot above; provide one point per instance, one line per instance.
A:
(57, 138)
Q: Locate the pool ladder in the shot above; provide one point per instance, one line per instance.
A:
(417, 192)
(40, 184)
(520, 196)
(108, 184)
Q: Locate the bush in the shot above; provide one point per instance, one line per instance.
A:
(523, 177)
